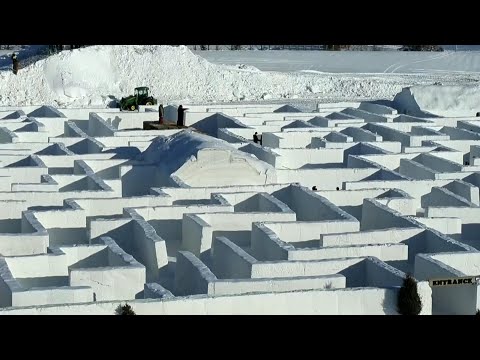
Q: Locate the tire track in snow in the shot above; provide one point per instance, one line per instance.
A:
(389, 67)
(438, 57)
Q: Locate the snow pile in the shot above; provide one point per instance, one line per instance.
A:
(87, 76)
(198, 160)
(178, 148)
(440, 100)
(173, 151)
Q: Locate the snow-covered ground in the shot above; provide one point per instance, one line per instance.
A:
(88, 76)
(379, 62)
(462, 47)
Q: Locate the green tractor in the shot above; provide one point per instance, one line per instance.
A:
(140, 97)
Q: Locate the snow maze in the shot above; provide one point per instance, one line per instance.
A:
(326, 216)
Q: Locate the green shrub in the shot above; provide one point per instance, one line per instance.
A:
(124, 310)
(409, 302)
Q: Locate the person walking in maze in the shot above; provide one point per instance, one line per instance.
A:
(15, 63)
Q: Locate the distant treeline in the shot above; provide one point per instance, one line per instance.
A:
(321, 47)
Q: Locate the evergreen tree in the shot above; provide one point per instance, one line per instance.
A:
(409, 302)
(124, 310)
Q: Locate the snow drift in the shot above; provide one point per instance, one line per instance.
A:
(201, 160)
(87, 76)
(439, 100)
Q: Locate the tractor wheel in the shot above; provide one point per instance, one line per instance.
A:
(132, 108)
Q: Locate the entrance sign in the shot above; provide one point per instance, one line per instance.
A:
(469, 280)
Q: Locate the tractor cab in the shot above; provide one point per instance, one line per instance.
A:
(141, 93)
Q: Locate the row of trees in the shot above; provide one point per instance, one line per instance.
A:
(259, 47)
(272, 47)
(422, 48)
(9, 47)
(216, 47)
(317, 47)
(53, 47)
(57, 48)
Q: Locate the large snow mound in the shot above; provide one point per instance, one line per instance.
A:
(87, 76)
(440, 100)
(171, 153)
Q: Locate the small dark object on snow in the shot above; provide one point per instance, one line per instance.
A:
(314, 188)
(478, 114)
(338, 188)
(255, 138)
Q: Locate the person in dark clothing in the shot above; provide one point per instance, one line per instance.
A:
(181, 116)
(255, 138)
(160, 114)
(14, 63)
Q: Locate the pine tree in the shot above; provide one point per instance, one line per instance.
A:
(409, 302)
(124, 310)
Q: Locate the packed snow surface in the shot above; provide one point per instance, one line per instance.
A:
(87, 76)
(441, 100)
(377, 62)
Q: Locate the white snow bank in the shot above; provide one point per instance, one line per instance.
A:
(85, 77)
(174, 151)
(200, 160)
(440, 100)
(179, 148)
